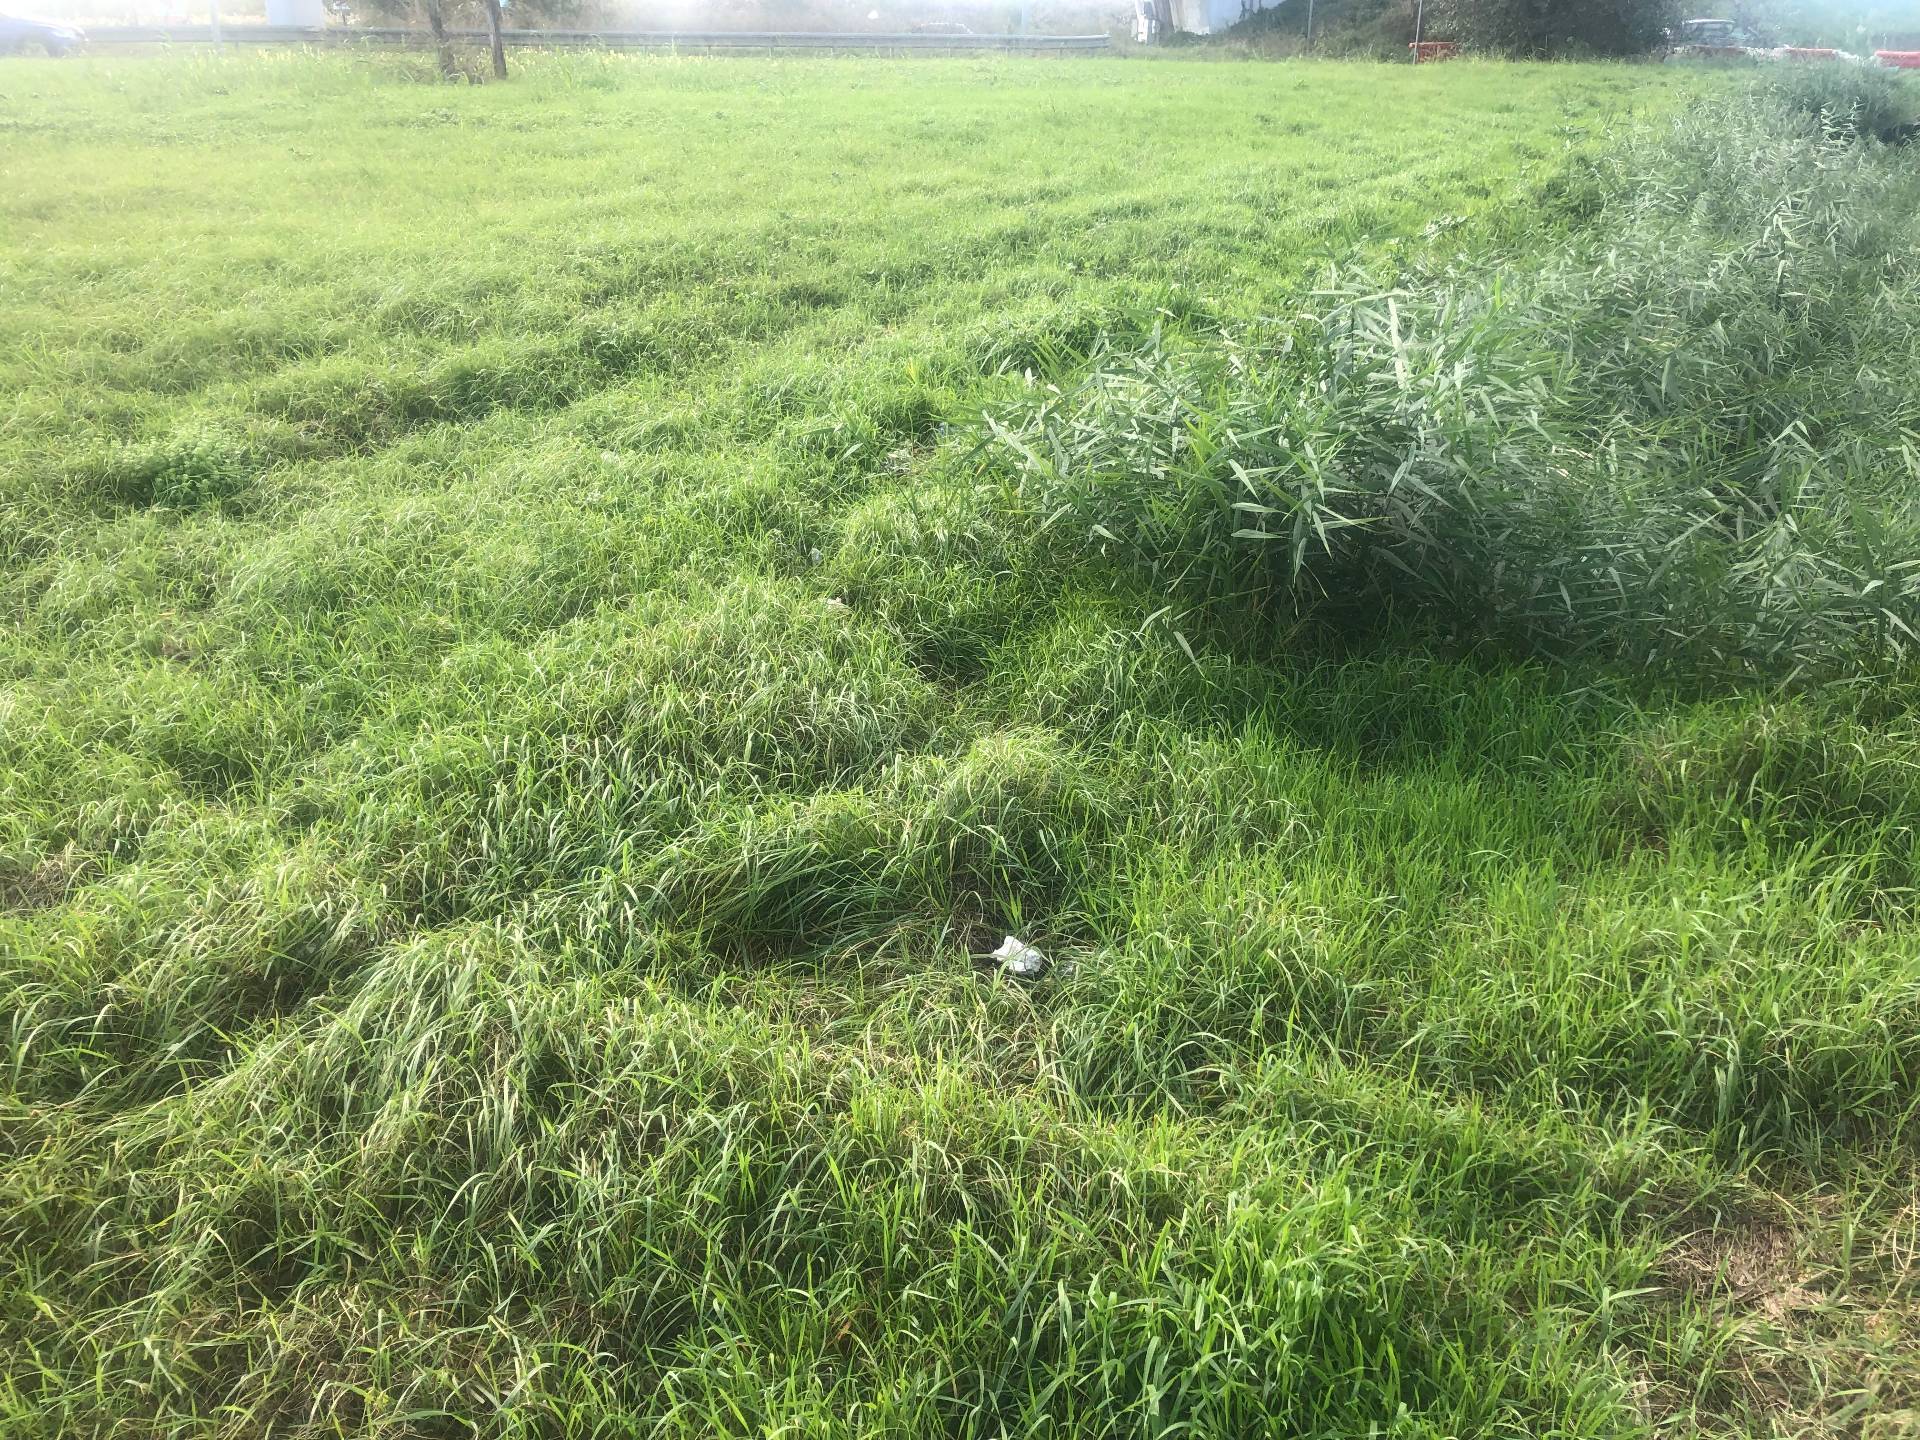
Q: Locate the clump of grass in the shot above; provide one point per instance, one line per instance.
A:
(200, 463)
(1852, 101)
(1677, 439)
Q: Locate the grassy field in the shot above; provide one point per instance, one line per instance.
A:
(523, 701)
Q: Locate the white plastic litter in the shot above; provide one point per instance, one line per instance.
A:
(1020, 959)
(813, 556)
(834, 605)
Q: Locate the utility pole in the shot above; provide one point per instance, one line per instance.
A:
(1419, 15)
(213, 11)
(1309, 24)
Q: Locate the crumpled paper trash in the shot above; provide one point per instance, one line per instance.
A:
(1019, 959)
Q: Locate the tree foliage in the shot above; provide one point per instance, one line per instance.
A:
(1857, 25)
(1553, 27)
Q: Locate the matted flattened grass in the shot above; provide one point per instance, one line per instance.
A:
(514, 732)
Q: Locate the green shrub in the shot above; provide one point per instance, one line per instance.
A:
(1553, 27)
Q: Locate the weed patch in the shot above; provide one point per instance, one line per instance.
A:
(1664, 440)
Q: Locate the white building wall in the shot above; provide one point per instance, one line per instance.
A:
(296, 12)
(1210, 17)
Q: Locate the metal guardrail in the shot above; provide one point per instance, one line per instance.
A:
(700, 40)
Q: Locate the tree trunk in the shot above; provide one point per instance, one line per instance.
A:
(499, 50)
(437, 24)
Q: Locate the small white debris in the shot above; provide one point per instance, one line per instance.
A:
(834, 605)
(813, 555)
(1019, 959)
(609, 457)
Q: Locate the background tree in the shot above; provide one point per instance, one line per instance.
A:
(436, 12)
(1857, 25)
(442, 42)
(493, 36)
(1553, 27)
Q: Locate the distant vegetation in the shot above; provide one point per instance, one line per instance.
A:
(1540, 28)
(1570, 28)
(554, 627)
(985, 17)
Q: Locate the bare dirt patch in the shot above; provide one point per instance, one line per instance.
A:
(44, 885)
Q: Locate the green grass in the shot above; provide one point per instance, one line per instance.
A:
(489, 948)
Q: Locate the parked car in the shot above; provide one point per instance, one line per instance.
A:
(17, 34)
(1706, 39)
